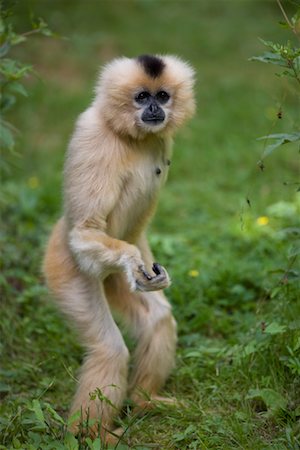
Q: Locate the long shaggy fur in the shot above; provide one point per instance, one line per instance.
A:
(97, 254)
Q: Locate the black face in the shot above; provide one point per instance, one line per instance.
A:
(153, 112)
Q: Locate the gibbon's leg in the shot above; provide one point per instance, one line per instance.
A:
(148, 318)
(105, 366)
(147, 315)
(154, 356)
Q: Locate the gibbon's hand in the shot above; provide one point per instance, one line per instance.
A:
(138, 277)
(147, 282)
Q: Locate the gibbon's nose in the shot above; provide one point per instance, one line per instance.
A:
(153, 114)
(153, 108)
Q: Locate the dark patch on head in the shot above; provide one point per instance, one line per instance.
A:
(152, 65)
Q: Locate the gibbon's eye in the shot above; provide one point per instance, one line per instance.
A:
(162, 96)
(142, 97)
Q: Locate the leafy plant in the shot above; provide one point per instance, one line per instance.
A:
(287, 57)
(283, 55)
(275, 402)
(12, 71)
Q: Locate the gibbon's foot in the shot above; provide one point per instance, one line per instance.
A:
(143, 405)
(147, 282)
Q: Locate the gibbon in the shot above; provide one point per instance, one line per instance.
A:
(98, 258)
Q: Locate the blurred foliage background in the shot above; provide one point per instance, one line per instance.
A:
(227, 230)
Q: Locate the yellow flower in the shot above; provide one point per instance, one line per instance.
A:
(262, 220)
(33, 182)
(193, 273)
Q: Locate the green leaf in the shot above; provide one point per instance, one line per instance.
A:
(290, 231)
(16, 39)
(294, 251)
(273, 46)
(54, 414)
(284, 24)
(74, 418)
(270, 58)
(6, 137)
(4, 387)
(13, 70)
(275, 328)
(5, 47)
(42, 27)
(70, 441)
(272, 399)
(291, 275)
(7, 101)
(18, 88)
(275, 291)
(16, 443)
(36, 408)
(290, 136)
(250, 348)
(280, 139)
(297, 63)
(94, 445)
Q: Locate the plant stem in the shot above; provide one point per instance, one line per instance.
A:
(286, 18)
(30, 32)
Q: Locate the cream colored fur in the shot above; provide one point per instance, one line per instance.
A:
(98, 251)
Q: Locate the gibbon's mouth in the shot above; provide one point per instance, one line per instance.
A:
(154, 121)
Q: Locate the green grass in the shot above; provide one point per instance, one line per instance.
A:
(235, 291)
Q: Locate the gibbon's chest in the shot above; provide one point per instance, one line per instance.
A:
(146, 175)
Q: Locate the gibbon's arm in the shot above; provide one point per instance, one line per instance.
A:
(98, 254)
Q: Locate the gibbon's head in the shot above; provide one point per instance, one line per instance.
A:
(145, 95)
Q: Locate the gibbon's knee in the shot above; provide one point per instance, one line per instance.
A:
(103, 366)
(107, 361)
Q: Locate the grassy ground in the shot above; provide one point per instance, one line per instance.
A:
(235, 291)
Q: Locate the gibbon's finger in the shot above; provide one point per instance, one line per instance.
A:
(143, 279)
(161, 280)
(143, 285)
(155, 284)
(160, 271)
(157, 268)
(145, 273)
